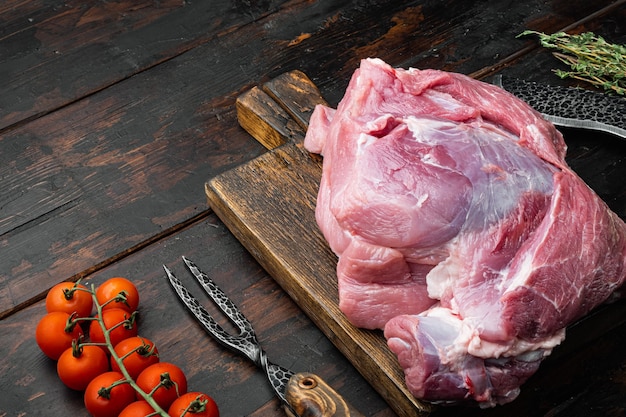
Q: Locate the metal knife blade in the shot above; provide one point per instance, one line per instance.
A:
(570, 107)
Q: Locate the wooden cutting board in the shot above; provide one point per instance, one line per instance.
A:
(269, 205)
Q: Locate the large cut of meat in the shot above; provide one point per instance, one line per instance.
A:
(460, 229)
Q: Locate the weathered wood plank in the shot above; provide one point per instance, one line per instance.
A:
(52, 53)
(452, 35)
(108, 172)
(129, 161)
(116, 159)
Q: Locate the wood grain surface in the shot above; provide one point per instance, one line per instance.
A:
(113, 116)
(137, 145)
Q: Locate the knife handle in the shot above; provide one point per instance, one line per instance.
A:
(310, 396)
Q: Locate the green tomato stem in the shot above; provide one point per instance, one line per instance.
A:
(127, 378)
(71, 322)
(121, 297)
(144, 350)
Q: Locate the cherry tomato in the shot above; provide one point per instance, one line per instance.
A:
(196, 404)
(70, 298)
(138, 353)
(103, 401)
(78, 366)
(55, 332)
(111, 288)
(164, 395)
(112, 319)
(137, 409)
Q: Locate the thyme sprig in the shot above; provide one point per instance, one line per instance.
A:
(590, 58)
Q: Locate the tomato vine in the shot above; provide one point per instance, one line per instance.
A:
(96, 364)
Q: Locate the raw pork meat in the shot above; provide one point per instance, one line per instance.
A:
(460, 229)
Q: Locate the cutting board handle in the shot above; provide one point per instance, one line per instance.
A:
(279, 110)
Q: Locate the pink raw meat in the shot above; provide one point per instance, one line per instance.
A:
(460, 229)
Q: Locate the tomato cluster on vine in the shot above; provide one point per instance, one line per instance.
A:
(101, 354)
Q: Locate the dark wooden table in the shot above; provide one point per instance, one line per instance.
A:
(114, 114)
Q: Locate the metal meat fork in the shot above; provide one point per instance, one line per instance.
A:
(302, 394)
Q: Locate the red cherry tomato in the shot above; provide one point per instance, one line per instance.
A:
(196, 404)
(70, 298)
(137, 354)
(164, 395)
(78, 366)
(112, 288)
(55, 332)
(103, 401)
(137, 409)
(112, 319)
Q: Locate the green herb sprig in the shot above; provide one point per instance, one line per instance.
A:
(590, 57)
